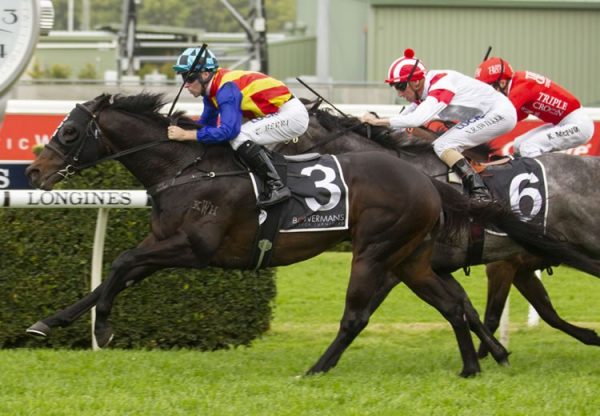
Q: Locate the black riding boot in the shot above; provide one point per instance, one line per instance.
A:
(257, 159)
(472, 181)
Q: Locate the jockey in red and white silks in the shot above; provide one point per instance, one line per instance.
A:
(567, 124)
(481, 112)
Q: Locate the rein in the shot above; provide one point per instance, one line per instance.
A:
(333, 137)
(92, 130)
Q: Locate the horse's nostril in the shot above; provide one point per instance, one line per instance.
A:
(33, 175)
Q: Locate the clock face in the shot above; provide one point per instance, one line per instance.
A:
(19, 27)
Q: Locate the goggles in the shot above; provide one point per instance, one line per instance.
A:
(400, 86)
(189, 77)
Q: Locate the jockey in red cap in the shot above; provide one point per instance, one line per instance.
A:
(567, 124)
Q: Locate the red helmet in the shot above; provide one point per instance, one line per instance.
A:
(493, 70)
(402, 67)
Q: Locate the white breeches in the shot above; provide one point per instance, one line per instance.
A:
(573, 130)
(289, 122)
(501, 119)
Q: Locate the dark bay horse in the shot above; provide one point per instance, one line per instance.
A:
(392, 221)
(571, 214)
(394, 218)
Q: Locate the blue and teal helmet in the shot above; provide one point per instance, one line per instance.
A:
(207, 62)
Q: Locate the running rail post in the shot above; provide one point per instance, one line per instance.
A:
(97, 255)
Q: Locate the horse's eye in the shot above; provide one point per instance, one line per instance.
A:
(68, 134)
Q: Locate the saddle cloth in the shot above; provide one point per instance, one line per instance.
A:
(319, 195)
(521, 183)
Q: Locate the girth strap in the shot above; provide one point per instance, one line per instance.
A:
(193, 177)
(475, 246)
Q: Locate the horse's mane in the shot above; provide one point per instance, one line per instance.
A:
(148, 105)
(385, 137)
(400, 142)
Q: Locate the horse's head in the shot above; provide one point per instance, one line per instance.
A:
(113, 127)
(74, 144)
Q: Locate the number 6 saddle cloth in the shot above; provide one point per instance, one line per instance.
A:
(521, 183)
(319, 199)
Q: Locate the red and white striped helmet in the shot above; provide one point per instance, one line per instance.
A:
(402, 67)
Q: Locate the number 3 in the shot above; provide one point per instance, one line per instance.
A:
(326, 183)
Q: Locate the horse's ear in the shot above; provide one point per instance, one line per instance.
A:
(101, 101)
(312, 107)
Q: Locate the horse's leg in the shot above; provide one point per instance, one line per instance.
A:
(388, 282)
(70, 314)
(361, 290)
(533, 290)
(500, 275)
(431, 288)
(134, 265)
(66, 316)
(498, 351)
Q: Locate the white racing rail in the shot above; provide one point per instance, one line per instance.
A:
(103, 200)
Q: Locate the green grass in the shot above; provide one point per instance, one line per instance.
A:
(405, 362)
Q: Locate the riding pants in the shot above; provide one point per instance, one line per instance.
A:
(288, 123)
(573, 130)
(500, 119)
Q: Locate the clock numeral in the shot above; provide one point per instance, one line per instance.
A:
(10, 16)
(2, 53)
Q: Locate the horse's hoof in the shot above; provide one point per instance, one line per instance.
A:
(104, 339)
(504, 361)
(469, 373)
(39, 329)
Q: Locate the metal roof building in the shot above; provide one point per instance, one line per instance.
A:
(555, 38)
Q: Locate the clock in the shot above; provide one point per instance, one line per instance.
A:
(19, 31)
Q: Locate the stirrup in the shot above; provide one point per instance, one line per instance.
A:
(481, 195)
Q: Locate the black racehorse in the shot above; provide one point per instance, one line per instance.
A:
(570, 212)
(392, 220)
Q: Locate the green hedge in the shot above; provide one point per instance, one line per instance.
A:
(45, 266)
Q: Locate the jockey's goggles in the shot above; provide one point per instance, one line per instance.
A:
(189, 77)
(400, 86)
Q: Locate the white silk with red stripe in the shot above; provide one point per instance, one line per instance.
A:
(481, 112)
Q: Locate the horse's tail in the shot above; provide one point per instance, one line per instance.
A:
(459, 212)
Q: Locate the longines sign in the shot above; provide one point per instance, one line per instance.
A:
(74, 199)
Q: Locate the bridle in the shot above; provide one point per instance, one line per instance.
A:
(83, 116)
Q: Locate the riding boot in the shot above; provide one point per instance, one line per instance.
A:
(472, 181)
(257, 159)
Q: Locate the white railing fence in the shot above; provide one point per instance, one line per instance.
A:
(103, 200)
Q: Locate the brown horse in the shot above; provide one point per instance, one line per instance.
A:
(393, 217)
(506, 262)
